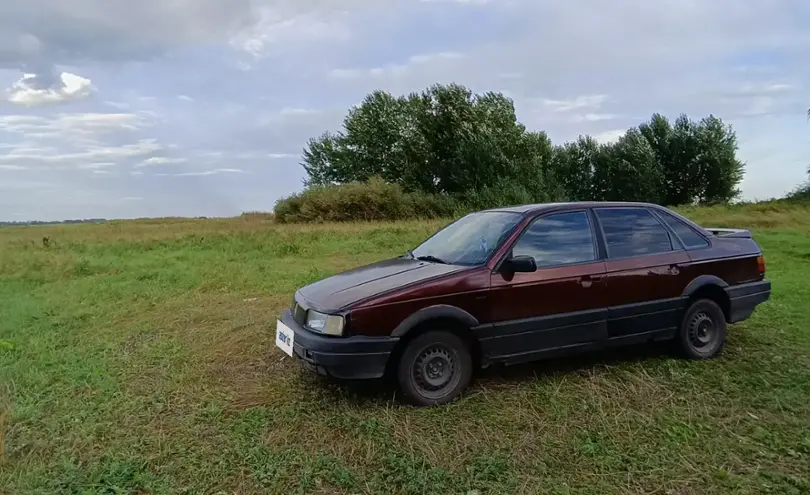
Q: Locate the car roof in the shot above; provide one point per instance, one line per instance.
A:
(539, 207)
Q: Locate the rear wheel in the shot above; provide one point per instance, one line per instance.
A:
(434, 369)
(703, 330)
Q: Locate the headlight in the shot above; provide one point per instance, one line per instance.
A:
(325, 324)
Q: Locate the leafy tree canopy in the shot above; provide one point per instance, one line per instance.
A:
(448, 140)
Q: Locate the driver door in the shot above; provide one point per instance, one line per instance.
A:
(562, 303)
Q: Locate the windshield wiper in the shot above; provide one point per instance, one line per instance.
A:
(432, 259)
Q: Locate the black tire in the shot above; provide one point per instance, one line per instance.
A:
(703, 330)
(434, 369)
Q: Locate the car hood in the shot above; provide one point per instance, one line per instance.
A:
(341, 290)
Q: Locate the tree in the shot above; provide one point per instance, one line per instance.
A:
(448, 140)
(673, 159)
(374, 143)
(628, 171)
(535, 170)
(574, 164)
(719, 169)
(697, 160)
(323, 162)
(802, 191)
(443, 140)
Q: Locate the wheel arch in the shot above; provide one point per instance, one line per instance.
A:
(709, 287)
(439, 317)
(436, 312)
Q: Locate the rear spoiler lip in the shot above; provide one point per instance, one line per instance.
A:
(729, 233)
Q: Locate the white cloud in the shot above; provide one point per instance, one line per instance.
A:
(760, 105)
(462, 2)
(204, 173)
(118, 105)
(594, 117)
(765, 88)
(310, 60)
(413, 63)
(96, 166)
(275, 25)
(31, 91)
(12, 167)
(161, 160)
(350, 73)
(426, 58)
(298, 111)
(210, 154)
(102, 122)
(611, 136)
(78, 141)
(578, 103)
(185, 98)
(47, 32)
(93, 153)
(76, 125)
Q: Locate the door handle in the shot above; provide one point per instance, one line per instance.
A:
(674, 269)
(585, 281)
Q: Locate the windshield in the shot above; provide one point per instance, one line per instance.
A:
(469, 240)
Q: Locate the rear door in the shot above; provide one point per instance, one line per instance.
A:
(559, 305)
(724, 263)
(645, 275)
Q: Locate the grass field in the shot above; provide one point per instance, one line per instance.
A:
(137, 357)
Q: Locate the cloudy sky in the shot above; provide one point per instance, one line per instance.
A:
(117, 108)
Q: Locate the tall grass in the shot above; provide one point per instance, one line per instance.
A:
(137, 357)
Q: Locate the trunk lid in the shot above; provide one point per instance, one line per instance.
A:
(729, 233)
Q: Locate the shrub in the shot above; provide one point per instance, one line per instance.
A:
(362, 201)
(802, 191)
(500, 194)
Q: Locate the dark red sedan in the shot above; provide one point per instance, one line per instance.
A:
(518, 284)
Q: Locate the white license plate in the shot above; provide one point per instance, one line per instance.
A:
(284, 338)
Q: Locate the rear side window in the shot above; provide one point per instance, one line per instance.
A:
(687, 234)
(559, 239)
(632, 232)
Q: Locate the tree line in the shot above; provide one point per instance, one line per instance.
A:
(448, 141)
(802, 191)
(50, 222)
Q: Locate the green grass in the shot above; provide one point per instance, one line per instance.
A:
(138, 357)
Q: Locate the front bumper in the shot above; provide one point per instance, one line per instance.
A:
(744, 298)
(356, 357)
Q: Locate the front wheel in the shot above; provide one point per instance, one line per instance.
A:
(434, 369)
(703, 330)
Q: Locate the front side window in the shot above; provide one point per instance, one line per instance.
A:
(632, 232)
(687, 234)
(469, 240)
(558, 239)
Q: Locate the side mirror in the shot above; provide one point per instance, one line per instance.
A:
(524, 264)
